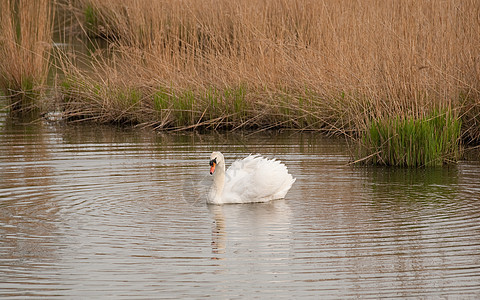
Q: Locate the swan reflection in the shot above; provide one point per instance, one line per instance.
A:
(261, 229)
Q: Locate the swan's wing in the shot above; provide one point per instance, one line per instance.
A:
(257, 179)
(238, 178)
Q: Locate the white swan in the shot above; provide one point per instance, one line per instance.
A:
(252, 179)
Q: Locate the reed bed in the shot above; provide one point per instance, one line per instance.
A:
(342, 67)
(337, 64)
(25, 43)
(408, 142)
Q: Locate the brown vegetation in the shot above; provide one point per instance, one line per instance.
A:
(348, 67)
(25, 42)
(335, 65)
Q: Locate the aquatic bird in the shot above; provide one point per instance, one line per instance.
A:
(252, 179)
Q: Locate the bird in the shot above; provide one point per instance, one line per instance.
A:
(249, 180)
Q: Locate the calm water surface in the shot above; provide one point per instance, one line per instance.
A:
(101, 212)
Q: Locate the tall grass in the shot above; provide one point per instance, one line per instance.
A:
(412, 142)
(25, 42)
(339, 66)
(323, 64)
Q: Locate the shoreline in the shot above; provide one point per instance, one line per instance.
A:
(371, 73)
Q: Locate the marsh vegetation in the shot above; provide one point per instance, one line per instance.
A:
(381, 73)
(25, 43)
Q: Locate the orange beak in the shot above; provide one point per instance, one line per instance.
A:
(212, 168)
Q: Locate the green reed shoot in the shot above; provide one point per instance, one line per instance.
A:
(412, 142)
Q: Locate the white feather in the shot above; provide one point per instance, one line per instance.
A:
(252, 179)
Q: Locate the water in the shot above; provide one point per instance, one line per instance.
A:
(102, 212)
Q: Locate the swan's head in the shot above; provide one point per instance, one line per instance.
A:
(215, 159)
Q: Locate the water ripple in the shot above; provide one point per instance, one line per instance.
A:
(121, 214)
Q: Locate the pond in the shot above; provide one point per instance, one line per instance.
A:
(105, 212)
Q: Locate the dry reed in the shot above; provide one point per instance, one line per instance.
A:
(339, 66)
(25, 42)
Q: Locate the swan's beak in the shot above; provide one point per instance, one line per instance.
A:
(212, 167)
(213, 163)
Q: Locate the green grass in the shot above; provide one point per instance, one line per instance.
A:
(236, 104)
(184, 108)
(412, 142)
(189, 107)
(161, 100)
(213, 100)
(175, 108)
(91, 20)
(128, 98)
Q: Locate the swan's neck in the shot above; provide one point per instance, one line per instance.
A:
(215, 195)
